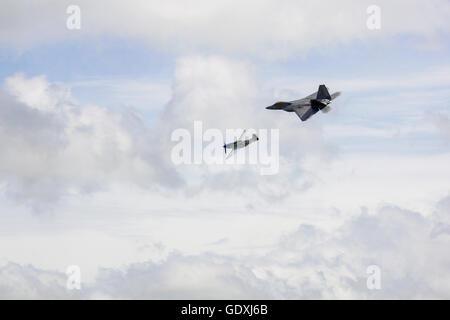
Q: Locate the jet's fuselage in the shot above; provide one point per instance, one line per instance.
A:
(289, 106)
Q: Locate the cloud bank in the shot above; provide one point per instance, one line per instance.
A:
(52, 146)
(157, 230)
(269, 29)
(309, 263)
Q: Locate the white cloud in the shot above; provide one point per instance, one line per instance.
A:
(224, 94)
(75, 148)
(263, 28)
(27, 282)
(310, 262)
(150, 244)
(53, 146)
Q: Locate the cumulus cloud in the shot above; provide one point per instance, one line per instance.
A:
(54, 146)
(223, 94)
(264, 28)
(27, 282)
(311, 262)
(442, 218)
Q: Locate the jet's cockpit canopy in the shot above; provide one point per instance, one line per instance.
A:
(281, 104)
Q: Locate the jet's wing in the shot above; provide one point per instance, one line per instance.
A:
(311, 96)
(242, 134)
(305, 112)
(304, 100)
(229, 155)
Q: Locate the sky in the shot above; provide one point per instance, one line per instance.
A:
(87, 178)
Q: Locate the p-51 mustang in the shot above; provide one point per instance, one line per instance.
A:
(308, 106)
(238, 144)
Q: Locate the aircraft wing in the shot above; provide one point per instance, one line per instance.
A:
(229, 155)
(242, 134)
(305, 112)
(305, 100)
(311, 96)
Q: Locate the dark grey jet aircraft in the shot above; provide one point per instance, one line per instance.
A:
(309, 105)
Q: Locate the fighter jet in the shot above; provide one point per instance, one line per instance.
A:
(309, 105)
(238, 144)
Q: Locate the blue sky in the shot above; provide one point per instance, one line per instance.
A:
(121, 59)
(76, 59)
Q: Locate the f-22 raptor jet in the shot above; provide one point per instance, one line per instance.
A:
(309, 105)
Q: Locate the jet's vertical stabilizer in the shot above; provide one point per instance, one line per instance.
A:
(323, 93)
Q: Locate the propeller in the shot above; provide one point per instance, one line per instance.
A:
(224, 146)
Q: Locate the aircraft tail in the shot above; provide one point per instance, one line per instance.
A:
(323, 93)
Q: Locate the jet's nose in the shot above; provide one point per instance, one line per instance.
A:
(279, 105)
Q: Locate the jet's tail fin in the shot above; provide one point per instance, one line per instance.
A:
(323, 93)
